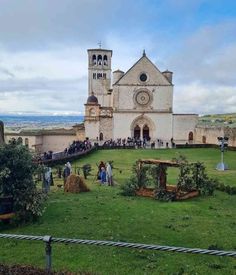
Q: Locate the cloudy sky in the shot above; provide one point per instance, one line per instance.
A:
(43, 50)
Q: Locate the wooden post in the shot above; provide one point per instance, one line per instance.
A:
(162, 177)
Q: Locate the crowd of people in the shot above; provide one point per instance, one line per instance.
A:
(103, 175)
(127, 142)
(75, 147)
(78, 146)
(81, 146)
(137, 143)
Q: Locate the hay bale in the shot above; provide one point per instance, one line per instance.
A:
(75, 184)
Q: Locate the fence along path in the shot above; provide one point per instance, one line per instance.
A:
(48, 240)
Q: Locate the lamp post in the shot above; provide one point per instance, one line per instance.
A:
(223, 142)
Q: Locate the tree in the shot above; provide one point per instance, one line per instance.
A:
(16, 180)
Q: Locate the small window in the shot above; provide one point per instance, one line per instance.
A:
(99, 60)
(99, 75)
(101, 136)
(94, 75)
(105, 60)
(104, 76)
(143, 77)
(94, 60)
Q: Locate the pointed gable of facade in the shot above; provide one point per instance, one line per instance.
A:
(142, 67)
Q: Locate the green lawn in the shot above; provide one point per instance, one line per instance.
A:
(104, 214)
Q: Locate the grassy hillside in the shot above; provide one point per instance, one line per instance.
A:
(219, 120)
(104, 214)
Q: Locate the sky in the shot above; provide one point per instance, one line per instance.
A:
(43, 50)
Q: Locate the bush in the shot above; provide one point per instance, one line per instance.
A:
(86, 170)
(129, 188)
(193, 177)
(16, 180)
(163, 195)
(138, 180)
(231, 190)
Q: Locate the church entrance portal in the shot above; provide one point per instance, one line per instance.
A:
(146, 132)
(137, 131)
(142, 128)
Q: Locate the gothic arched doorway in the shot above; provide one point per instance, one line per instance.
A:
(190, 137)
(137, 131)
(142, 127)
(146, 132)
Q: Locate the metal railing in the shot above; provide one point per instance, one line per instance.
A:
(48, 240)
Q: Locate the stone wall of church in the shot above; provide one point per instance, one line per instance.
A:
(155, 77)
(44, 143)
(182, 126)
(163, 126)
(92, 129)
(30, 139)
(104, 100)
(160, 125)
(80, 134)
(162, 98)
(206, 134)
(56, 143)
(106, 126)
(231, 134)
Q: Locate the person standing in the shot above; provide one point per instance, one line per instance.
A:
(102, 164)
(109, 174)
(69, 166)
(103, 176)
(47, 179)
(66, 173)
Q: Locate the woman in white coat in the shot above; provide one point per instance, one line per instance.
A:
(109, 174)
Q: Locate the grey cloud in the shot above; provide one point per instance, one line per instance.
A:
(6, 72)
(43, 101)
(208, 56)
(205, 99)
(39, 24)
(41, 84)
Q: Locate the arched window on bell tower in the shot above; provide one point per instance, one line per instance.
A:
(99, 59)
(105, 60)
(94, 60)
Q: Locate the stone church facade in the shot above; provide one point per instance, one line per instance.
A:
(138, 103)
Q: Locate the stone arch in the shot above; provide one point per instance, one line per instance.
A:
(190, 137)
(146, 132)
(144, 123)
(94, 60)
(26, 142)
(20, 140)
(137, 132)
(92, 112)
(99, 60)
(105, 62)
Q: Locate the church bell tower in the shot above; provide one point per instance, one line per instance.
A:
(99, 74)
